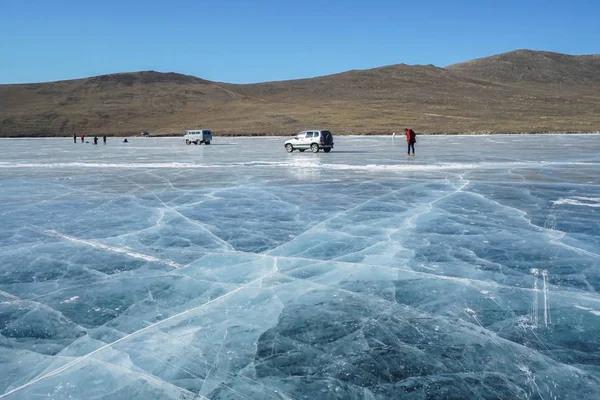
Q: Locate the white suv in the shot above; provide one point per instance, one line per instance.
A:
(311, 139)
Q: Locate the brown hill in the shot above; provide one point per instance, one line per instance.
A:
(520, 91)
(533, 66)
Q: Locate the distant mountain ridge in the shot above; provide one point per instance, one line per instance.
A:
(519, 91)
(145, 77)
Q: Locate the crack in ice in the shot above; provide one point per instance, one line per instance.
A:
(113, 249)
(126, 337)
(8, 295)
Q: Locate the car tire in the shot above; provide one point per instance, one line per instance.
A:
(289, 148)
(206, 142)
(327, 149)
(187, 142)
(314, 148)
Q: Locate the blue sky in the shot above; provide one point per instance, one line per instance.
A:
(262, 40)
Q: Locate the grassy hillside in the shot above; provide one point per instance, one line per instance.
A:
(520, 91)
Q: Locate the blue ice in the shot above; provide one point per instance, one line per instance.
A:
(158, 270)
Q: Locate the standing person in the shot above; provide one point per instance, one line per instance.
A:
(74, 138)
(394, 135)
(411, 139)
(82, 138)
(95, 139)
(104, 139)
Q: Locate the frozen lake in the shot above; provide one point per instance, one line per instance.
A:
(156, 270)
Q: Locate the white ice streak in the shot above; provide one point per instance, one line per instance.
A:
(141, 165)
(591, 310)
(280, 164)
(547, 318)
(8, 295)
(70, 300)
(578, 201)
(114, 249)
(534, 313)
(534, 307)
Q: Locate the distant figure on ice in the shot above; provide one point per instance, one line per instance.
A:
(125, 141)
(104, 139)
(394, 135)
(74, 138)
(95, 139)
(411, 139)
(82, 138)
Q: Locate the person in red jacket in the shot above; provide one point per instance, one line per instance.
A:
(411, 139)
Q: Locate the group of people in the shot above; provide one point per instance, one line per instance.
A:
(411, 139)
(83, 139)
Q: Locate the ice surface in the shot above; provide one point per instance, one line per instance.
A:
(156, 270)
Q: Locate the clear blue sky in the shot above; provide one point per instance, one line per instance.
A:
(244, 41)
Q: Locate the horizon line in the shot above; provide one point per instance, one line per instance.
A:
(291, 79)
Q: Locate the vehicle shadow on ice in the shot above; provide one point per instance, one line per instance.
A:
(349, 151)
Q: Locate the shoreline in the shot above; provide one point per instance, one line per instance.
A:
(225, 134)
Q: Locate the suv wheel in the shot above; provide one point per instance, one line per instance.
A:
(187, 141)
(289, 148)
(314, 147)
(327, 149)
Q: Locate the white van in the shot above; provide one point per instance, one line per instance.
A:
(198, 136)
